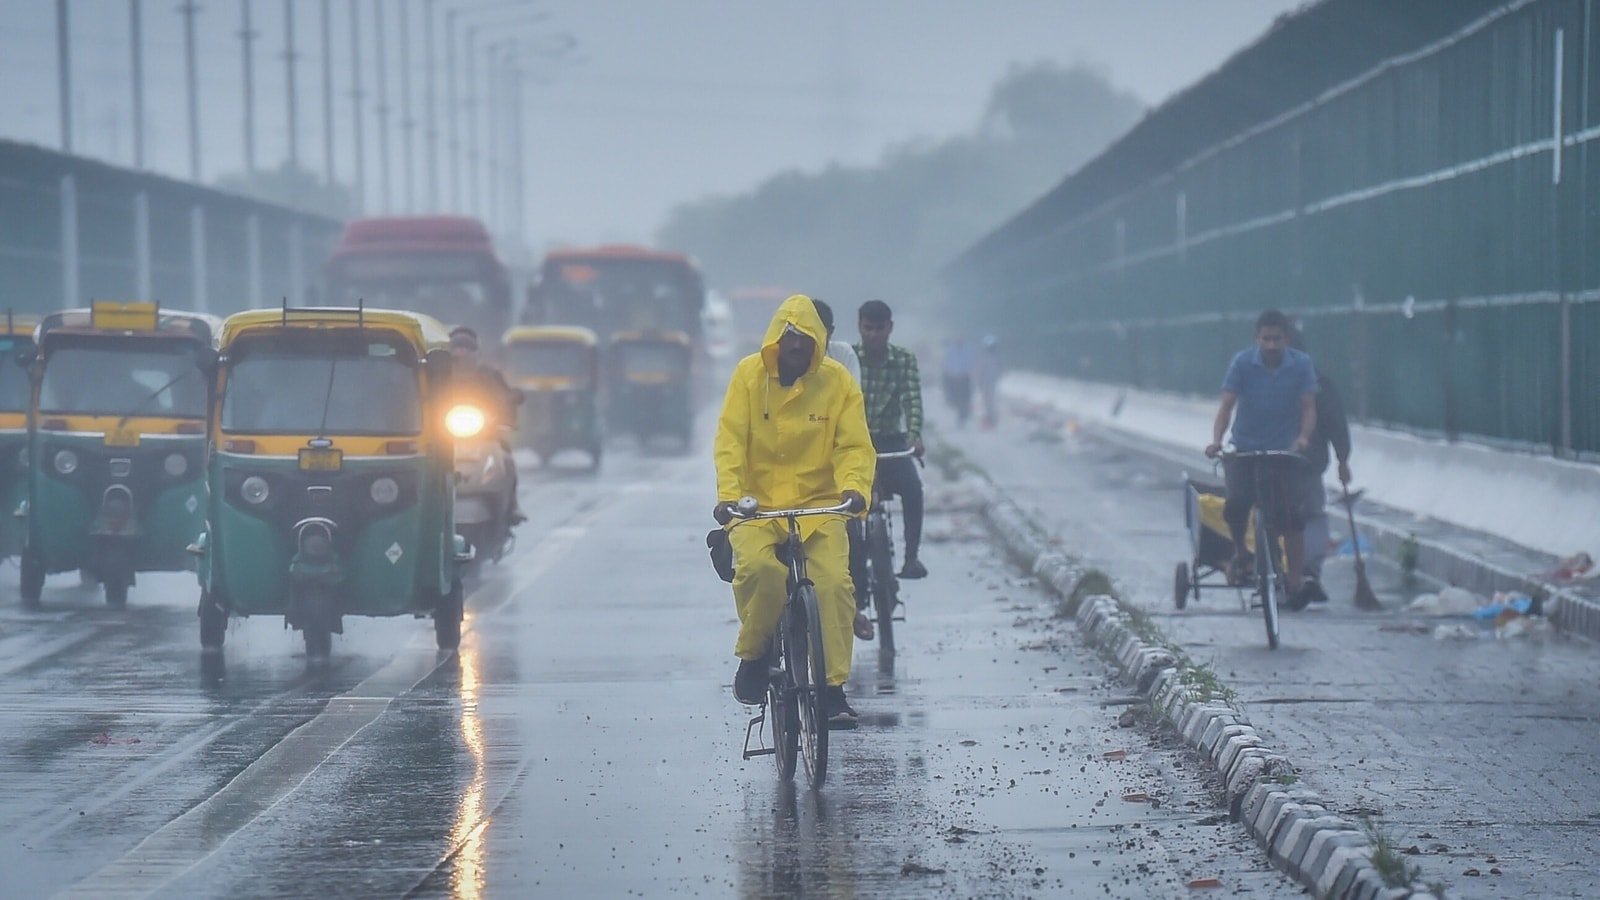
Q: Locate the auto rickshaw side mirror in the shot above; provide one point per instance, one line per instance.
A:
(207, 359)
(25, 357)
(439, 363)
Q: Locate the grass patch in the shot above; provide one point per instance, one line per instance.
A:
(1201, 679)
(1387, 858)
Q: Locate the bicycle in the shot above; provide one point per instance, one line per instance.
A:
(883, 586)
(1271, 583)
(796, 694)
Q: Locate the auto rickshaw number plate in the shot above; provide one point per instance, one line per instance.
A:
(320, 460)
(122, 437)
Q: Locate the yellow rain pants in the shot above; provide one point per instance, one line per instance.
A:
(760, 585)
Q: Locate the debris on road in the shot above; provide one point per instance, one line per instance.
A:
(916, 868)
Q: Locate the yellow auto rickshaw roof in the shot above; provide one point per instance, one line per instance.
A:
(424, 332)
(663, 336)
(567, 333)
(168, 322)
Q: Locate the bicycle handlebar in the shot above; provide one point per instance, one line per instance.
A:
(897, 454)
(747, 510)
(1259, 454)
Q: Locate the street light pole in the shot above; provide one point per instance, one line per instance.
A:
(430, 111)
(64, 72)
(383, 112)
(136, 40)
(357, 97)
(289, 60)
(247, 37)
(407, 125)
(327, 91)
(188, 9)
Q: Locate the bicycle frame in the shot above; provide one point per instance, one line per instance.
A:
(883, 587)
(1271, 582)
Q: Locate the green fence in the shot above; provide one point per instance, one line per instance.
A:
(1432, 223)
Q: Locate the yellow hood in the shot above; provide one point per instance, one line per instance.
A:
(800, 312)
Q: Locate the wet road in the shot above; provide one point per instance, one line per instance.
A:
(584, 741)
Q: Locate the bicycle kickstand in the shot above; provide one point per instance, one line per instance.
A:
(757, 729)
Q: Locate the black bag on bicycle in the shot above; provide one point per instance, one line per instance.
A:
(721, 553)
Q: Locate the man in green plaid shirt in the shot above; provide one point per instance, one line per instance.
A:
(892, 388)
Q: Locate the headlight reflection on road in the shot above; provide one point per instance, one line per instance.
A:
(466, 833)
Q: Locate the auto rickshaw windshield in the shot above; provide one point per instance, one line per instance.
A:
(15, 391)
(548, 359)
(358, 383)
(94, 376)
(653, 359)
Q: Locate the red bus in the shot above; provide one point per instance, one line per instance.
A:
(617, 288)
(442, 266)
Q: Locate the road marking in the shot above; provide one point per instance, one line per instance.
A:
(188, 841)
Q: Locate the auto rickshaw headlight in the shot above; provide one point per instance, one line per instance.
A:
(176, 464)
(385, 491)
(66, 462)
(255, 490)
(465, 420)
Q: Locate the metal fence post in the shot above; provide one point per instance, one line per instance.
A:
(297, 268)
(1359, 351)
(141, 245)
(69, 241)
(199, 296)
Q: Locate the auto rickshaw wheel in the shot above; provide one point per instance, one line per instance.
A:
(32, 580)
(213, 623)
(447, 617)
(116, 589)
(319, 644)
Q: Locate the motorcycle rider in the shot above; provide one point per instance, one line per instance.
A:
(792, 433)
(474, 381)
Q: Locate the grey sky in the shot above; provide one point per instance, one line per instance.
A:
(670, 101)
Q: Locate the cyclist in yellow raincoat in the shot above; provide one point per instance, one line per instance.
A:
(793, 433)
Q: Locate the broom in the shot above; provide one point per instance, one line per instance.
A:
(1365, 597)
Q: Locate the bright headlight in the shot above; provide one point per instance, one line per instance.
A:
(176, 464)
(385, 491)
(254, 490)
(66, 462)
(465, 421)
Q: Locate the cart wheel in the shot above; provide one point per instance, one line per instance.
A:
(1181, 586)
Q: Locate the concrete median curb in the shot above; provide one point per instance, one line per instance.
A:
(1327, 853)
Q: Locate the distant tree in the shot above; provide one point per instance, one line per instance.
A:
(295, 187)
(884, 230)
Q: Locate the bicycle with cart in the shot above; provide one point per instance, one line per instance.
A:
(1212, 549)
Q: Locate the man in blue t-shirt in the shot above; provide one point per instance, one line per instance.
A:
(1269, 397)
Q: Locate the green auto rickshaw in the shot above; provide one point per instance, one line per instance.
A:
(651, 384)
(557, 368)
(117, 435)
(16, 342)
(331, 476)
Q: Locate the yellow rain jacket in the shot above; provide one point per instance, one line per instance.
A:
(796, 446)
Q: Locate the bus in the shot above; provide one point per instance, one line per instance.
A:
(617, 288)
(441, 266)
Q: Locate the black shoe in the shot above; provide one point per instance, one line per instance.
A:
(750, 682)
(914, 569)
(863, 627)
(840, 716)
(1313, 591)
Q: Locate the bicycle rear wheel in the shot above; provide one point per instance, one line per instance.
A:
(885, 587)
(1267, 579)
(810, 673)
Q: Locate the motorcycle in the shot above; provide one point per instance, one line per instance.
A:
(486, 479)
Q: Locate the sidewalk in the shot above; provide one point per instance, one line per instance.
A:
(1478, 753)
(1473, 512)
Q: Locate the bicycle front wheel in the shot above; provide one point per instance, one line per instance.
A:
(811, 684)
(885, 588)
(1267, 579)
